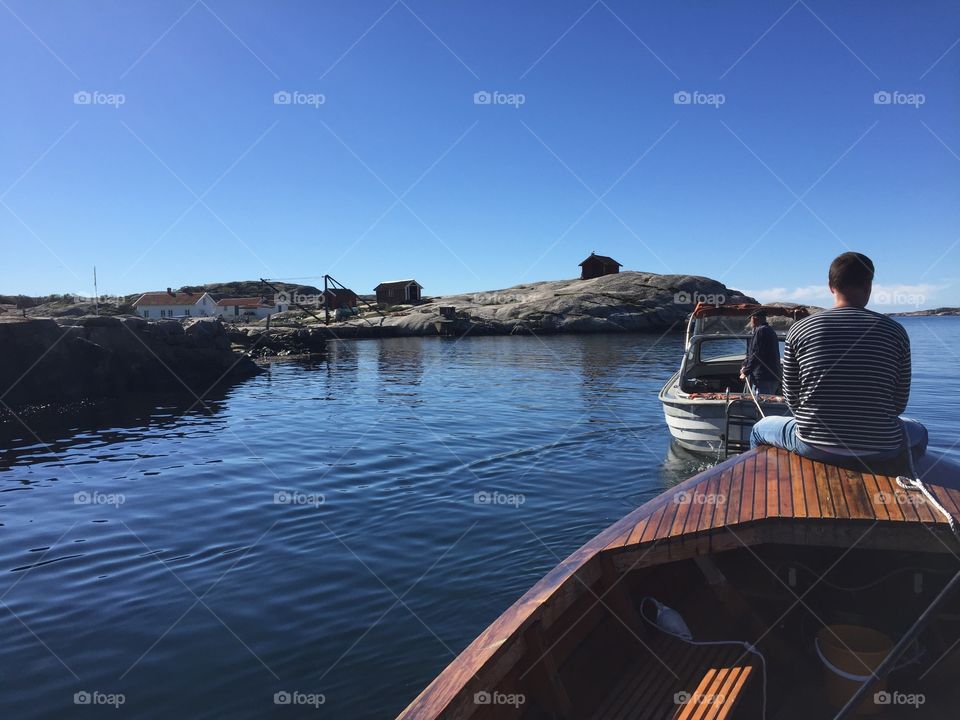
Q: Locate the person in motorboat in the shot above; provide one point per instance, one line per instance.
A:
(846, 377)
(761, 367)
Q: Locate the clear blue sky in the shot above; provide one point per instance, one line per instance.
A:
(198, 176)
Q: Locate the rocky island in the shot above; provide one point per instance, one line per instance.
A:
(623, 302)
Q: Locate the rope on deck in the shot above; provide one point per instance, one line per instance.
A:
(915, 483)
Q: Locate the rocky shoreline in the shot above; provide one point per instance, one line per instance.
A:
(261, 343)
(72, 359)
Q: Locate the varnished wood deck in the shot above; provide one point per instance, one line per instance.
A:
(763, 496)
(774, 484)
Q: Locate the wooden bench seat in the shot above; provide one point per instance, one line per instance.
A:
(692, 682)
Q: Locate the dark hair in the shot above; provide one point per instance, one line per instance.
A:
(851, 270)
(759, 315)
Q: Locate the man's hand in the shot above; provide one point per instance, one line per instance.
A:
(742, 375)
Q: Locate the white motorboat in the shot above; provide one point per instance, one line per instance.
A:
(708, 408)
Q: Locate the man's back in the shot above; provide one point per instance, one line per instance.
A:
(846, 376)
(763, 360)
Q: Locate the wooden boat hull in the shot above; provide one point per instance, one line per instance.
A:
(561, 649)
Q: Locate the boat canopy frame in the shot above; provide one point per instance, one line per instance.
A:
(706, 310)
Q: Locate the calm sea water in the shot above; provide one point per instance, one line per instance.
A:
(185, 559)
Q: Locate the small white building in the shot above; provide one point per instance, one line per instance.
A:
(249, 308)
(170, 304)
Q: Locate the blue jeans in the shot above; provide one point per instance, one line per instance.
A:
(781, 432)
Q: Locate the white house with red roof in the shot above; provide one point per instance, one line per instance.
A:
(170, 304)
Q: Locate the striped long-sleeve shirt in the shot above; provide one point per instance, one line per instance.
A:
(846, 377)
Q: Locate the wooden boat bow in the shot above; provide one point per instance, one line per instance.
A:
(763, 496)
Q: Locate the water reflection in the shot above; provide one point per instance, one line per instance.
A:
(342, 357)
(44, 434)
(604, 366)
(400, 366)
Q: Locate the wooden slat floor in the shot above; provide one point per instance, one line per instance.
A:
(772, 483)
(686, 681)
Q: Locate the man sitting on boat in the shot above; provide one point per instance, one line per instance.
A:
(846, 377)
(762, 365)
